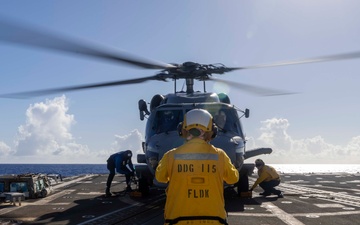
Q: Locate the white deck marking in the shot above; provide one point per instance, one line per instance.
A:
(251, 214)
(275, 212)
(329, 205)
(329, 213)
(91, 193)
(281, 214)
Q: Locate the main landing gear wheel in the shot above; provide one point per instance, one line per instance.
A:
(144, 187)
(243, 184)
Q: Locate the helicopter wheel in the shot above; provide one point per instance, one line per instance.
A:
(144, 186)
(243, 184)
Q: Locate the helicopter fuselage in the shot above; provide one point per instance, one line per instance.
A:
(168, 111)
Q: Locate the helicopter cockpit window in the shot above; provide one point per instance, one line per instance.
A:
(220, 119)
(167, 120)
(226, 120)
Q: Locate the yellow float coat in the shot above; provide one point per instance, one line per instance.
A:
(195, 172)
(266, 173)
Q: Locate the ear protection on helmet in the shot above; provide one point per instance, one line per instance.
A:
(179, 129)
(214, 130)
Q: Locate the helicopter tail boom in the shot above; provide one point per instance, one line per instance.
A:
(257, 151)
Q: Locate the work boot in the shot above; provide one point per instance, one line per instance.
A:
(108, 193)
(265, 194)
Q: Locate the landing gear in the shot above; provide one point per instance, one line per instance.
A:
(145, 179)
(144, 187)
(243, 184)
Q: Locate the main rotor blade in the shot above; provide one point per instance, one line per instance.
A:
(336, 57)
(29, 94)
(26, 35)
(257, 90)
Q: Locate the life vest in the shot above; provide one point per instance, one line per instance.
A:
(195, 172)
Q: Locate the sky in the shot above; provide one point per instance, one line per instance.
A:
(320, 124)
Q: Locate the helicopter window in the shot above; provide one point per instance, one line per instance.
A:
(220, 119)
(167, 120)
(226, 120)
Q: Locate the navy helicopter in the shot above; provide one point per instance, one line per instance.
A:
(165, 110)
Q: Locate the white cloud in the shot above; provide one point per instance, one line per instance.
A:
(5, 150)
(130, 141)
(45, 137)
(287, 149)
(353, 148)
(273, 132)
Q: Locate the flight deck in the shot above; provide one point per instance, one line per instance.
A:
(308, 199)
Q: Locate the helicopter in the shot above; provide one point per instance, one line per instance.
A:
(165, 111)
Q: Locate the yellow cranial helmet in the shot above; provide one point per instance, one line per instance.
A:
(198, 118)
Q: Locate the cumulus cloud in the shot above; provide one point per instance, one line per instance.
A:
(5, 150)
(46, 135)
(286, 149)
(130, 141)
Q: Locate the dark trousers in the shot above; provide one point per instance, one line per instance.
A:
(111, 168)
(269, 186)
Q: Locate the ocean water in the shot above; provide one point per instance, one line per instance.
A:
(67, 170)
(317, 168)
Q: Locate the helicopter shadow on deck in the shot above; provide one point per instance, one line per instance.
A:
(82, 211)
(234, 203)
(91, 207)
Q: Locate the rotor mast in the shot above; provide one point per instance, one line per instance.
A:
(189, 85)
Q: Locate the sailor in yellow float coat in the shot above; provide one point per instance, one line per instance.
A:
(268, 179)
(195, 173)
